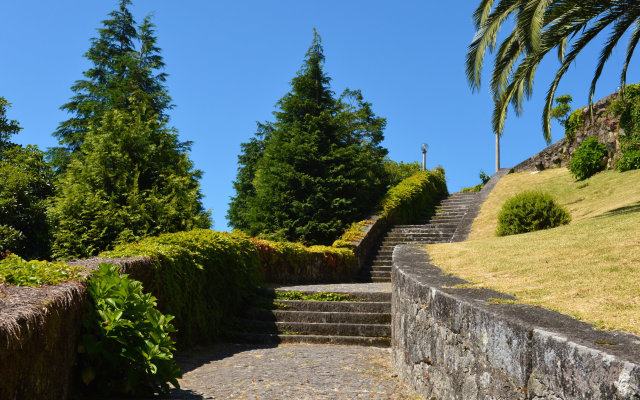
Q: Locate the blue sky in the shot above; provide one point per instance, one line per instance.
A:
(230, 62)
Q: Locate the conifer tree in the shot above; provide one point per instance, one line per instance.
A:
(124, 174)
(320, 167)
(125, 59)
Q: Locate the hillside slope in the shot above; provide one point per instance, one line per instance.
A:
(589, 269)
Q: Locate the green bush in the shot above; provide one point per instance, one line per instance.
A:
(200, 276)
(629, 160)
(414, 197)
(126, 347)
(587, 159)
(530, 211)
(16, 271)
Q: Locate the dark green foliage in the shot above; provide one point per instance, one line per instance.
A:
(126, 347)
(133, 182)
(125, 69)
(201, 276)
(19, 272)
(587, 159)
(628, 109)
(530, 211)
(317, 296)
(7, 127)
(26, 181)
(415, 197)
(317, 168)
(125, 173)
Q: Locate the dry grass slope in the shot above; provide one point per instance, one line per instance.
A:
(589, 269)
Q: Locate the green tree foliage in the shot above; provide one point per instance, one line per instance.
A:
(571, 121)
(628, 108)
(26, 181)
(587, 159)
(125, 60)
(132, 182)
(539, 27)
(530, 211)
(125, 175)
(317, 168)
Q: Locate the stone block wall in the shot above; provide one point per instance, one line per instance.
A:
(603, 127)
(453, 343)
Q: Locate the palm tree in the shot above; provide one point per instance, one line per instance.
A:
(541, 26)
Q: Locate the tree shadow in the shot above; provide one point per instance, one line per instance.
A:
(630, 209)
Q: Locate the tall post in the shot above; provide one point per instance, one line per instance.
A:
(424, 160)
(497, 152)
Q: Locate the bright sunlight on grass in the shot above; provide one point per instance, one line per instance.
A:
(589, 269)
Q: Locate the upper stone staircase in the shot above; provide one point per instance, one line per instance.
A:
(440, 228)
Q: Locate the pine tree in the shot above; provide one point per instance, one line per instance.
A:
(320, 168)
(123, 172)
(119, 69)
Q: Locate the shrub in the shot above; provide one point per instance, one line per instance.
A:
(200, 276)
(126, 347)
(414, 197)
(530, 211)
(629, 160)
(587, 159)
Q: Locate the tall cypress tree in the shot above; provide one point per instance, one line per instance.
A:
(321, 167)
(124, 174)
(125, 60)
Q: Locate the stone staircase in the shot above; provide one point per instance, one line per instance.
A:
(359, 314)
(363, 318)
(439, 228)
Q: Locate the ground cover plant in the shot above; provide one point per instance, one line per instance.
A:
(588, 269)
(19, 272)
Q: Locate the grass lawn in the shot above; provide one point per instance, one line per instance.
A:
(589, 269)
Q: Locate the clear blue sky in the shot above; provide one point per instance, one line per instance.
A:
(230, 62)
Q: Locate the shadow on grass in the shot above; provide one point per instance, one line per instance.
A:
(630, 209)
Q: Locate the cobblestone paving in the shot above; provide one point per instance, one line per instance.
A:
(289, 371)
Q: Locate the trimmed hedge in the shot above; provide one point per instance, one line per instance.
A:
(201, 277)
(407, 202)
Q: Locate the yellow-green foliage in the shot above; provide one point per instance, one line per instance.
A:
(202, 277)
(353, 234)
(16, 271)
(414, 197)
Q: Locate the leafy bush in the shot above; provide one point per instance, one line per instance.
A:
(629, 160)
(200, 276)
(414, 197)
(484, 178)
(126, 347)
(572, 124)
(530, 211)
(587, 159)
(16, 271)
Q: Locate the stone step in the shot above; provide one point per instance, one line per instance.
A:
(381, 264)
(421, 235)
(316, 328)
(380, 280)
(380, 274)
(336, 306)
(330, 317)
(270, 338)
(401, 228)
(355, 296)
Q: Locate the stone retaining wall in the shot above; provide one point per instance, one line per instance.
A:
(453, 343)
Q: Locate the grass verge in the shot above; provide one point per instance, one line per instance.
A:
(589, 269)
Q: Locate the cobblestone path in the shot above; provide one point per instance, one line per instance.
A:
(289, 371)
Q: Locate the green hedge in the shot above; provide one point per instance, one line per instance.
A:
(412, 199)
(201, 277)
